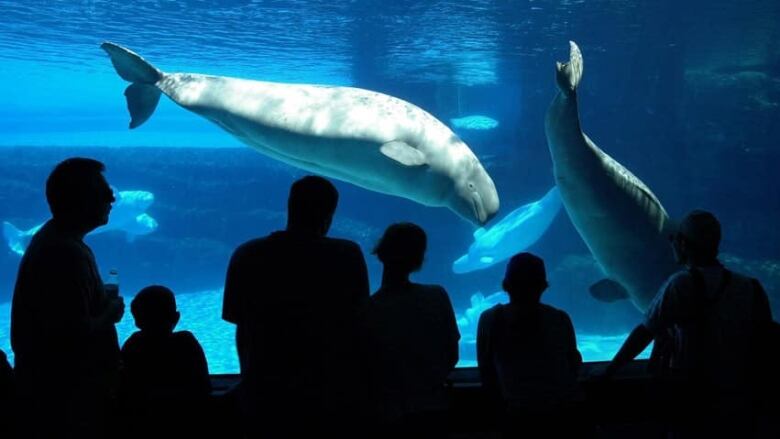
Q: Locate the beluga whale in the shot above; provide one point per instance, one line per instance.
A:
(369, 139)
(514, 233)
(128, 215)
(620, 219)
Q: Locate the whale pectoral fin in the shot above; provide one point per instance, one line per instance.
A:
(403, 153)
(607, 290)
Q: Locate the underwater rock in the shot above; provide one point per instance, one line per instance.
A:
(514, 233)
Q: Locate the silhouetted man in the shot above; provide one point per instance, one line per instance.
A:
(713, 317)
(294, 297)
(62, 321)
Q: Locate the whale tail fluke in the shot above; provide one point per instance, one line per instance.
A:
(142, 95)
(14, 238)
(569, 74)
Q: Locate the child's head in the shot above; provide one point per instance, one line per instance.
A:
(154, 309)
(525, 278)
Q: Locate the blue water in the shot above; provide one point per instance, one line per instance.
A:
(686, 97)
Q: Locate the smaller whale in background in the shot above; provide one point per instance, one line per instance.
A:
(128, 215)
(474, 122)
(515, 233)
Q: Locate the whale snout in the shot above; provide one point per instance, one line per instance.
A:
(478, 208)
(475, 207)
(485, 197)
(486, 206)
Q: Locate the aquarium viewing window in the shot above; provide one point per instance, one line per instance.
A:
(690, 113)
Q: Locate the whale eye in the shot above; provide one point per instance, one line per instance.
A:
(471, 186)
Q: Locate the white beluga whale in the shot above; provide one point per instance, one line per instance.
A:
(514, 233)
(370, 139)
(621, 221)
(128, 215)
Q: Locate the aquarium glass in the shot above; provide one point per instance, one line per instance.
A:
(686, 95)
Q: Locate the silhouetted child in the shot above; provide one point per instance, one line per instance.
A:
(165, 376)
(527, 354)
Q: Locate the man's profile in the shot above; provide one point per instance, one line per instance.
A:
(62, 322)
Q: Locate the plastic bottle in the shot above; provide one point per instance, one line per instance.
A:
(111, 285)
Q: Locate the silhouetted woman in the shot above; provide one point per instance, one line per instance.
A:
(412, 340)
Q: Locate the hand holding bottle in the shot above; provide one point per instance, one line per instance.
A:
(111, 285)
(115, 308)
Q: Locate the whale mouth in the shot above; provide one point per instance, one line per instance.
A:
(477, 208)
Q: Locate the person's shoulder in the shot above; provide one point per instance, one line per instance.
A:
(133, 342)
(746, 284)
(682, 280)
(680, 277)
(184, 335)
(254, 243)
(341, 248)
(54, 246)
(253, 246)
(741, 277)
(545, 308)
(430, 289)
(341, 243)
(185, 338)
(555, 312)
(490, 313)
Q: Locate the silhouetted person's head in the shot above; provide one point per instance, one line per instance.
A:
(525, 279)
(154, 310)
(697, 238)
(402, 248)
(78, 194)
(311, 205)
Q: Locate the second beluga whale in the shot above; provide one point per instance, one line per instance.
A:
(514, 233)
(370, 139)
(621, 221)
